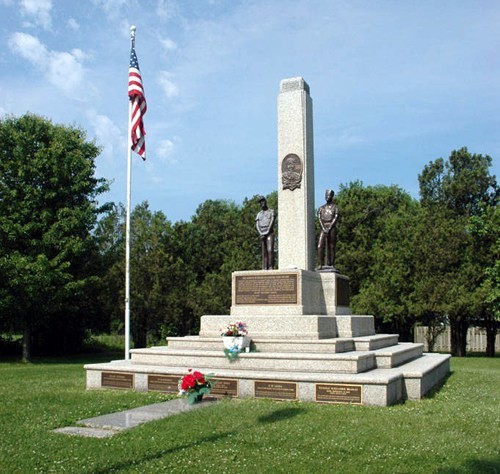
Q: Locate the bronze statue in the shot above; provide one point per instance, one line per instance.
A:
(265, 226)
(328, 215)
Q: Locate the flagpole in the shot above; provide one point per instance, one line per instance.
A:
(127, 218)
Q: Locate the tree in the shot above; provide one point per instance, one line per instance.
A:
(485, 230)
(159, 279)
(48, 208)
(458, 191)
(386, 292)
(220, 239)
(374, 237)
(441, 289)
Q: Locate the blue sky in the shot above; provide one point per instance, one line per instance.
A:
(395, 84)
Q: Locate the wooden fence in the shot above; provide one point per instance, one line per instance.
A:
(476, 340)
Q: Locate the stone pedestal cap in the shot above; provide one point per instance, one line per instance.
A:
(294, 84)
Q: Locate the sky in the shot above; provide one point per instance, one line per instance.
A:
(395, 84)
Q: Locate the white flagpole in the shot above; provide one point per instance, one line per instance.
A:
(127, 219)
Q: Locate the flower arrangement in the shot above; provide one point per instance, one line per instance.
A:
(194, 385)
(235, 339)
(235, 329)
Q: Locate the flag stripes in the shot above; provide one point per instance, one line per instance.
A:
(139, 107)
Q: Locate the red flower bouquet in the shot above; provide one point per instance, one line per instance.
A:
(194, 385)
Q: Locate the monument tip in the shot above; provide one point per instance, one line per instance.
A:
(294, 84)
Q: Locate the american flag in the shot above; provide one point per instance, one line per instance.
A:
(139, 107)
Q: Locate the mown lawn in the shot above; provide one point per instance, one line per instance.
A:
(457, 430)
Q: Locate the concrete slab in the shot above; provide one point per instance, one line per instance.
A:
(106, 426)
(86, 432)
(137, 416)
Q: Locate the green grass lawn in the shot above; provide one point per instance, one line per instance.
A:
(457, 430)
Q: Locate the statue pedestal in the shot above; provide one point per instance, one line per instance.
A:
(292, 305)
(289, 292)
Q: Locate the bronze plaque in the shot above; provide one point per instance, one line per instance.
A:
(266, 289)
(224, 387)
(339, 393)
(291, 172)
(275, 389)
(117, 380)
(164, 383)
(342, 285)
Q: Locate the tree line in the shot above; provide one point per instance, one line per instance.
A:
(432, 261)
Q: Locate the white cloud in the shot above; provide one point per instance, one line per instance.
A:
(169, 88)
(29, 48)
(63, 69)
(166, 9)
(73, 24)
(168, 44)
(165, 151)
(38, 11)
(111, 7)
(107, 133)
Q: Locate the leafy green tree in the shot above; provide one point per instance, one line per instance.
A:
(220, 239)
(363, 211)
(374, 249)
(48, 209)
(159, 279)
(458, 191)
(386, 291)
(110, 239)
(155, 271)
(442, 290)
(485, 231)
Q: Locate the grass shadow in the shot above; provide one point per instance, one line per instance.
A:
(159, 454)
(484, 466)
(280, 415)
(435, 390)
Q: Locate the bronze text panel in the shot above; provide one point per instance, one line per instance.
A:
(266, 289)
(339, 393)
(117, 380)
(275, 389)
(224, 387)
(164, 383)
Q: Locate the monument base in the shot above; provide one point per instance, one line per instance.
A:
(310, 327)
(305, 346)
(369, 370)
(288, 293)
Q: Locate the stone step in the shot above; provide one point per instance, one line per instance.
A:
(374, 342)
(381, 387)
(377, 387)
(424, 374)
(334, 345)
(349, 362)
(397, 355)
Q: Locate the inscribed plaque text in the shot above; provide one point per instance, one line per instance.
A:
(266, 289)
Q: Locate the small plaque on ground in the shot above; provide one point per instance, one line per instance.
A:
(117, 380)
(339, 393)
(224, 387)
(276, 390)
(266, 289)
(164, 383)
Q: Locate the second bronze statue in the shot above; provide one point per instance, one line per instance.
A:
(328, 215)
(265, 226)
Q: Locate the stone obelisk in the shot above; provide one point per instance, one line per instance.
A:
(295, 176)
